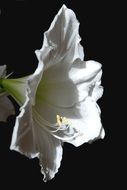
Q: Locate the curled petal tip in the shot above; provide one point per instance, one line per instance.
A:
(64, 6)
(102, 135)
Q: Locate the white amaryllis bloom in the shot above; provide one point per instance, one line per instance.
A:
(58, 101)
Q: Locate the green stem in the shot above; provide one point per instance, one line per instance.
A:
(1, 83)
(16, 88)
(1, 87)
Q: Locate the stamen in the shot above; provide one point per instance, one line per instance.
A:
(62, 124)
(62, 121)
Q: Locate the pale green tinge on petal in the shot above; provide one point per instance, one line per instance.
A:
(62, 94)
(34, 80)
(6, 108)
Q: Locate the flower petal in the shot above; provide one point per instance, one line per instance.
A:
(29, 140)
(83, 80)
(84, 71)
(23, 134)
(49, 112)
(23, 139)
(97, 91)
(50, 151)
(84, 118)
(89, 126)
(2, 71)
(33, 81)
(6, 108)
(56, 81)
(62, 40)
(62, 94)
(87, 77)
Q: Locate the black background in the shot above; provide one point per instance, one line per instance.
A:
(22, 24)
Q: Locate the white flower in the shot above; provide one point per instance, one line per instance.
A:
(59, 99)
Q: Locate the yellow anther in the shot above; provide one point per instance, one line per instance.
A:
(62, 120)
(58, 119)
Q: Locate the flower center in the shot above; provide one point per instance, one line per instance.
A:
(62, 129)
